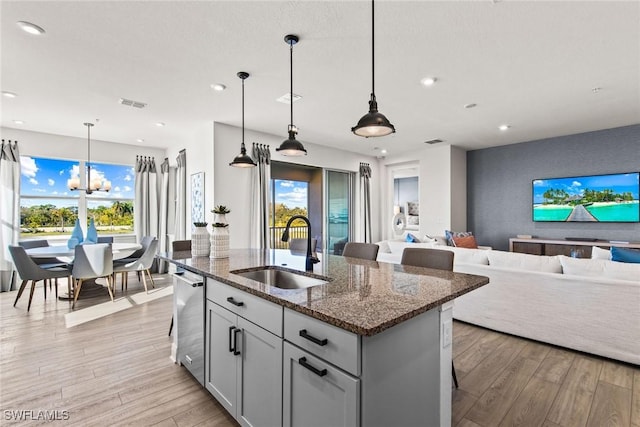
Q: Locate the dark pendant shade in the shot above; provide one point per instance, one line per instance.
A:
(242, 160)
(373, 123)
(291, 146)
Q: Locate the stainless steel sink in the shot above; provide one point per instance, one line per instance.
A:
(282, 279)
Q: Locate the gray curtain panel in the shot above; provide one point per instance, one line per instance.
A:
(365, 175)
(9, 210)
(181, 197)
(260, 197)
(163, 229)
(146, 210)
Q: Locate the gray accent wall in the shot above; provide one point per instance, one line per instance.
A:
(499, 184)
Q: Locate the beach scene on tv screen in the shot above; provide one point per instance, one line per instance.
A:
(597, 198)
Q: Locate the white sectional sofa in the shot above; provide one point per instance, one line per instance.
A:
(590, 305)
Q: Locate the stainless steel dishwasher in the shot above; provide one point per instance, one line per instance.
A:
(189, 300)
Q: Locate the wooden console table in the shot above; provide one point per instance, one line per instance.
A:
(579, 249)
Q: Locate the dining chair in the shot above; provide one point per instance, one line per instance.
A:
(300, 245)
(181, 245)
(431, 258)
(49, 262)
(30, 271)
(368, 251)
(142, 264)
(92, 262)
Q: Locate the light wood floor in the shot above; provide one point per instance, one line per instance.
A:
(116, 371)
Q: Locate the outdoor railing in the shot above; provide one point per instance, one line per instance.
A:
(275, 235)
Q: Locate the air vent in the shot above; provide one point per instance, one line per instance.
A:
(132, 103)
(434, 141)
(286, 98)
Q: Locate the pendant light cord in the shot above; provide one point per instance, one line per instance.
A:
(88, 184)
(291, 80)
(243, 112)
(373, 52)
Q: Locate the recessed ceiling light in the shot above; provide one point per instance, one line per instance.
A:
(160, 124)
(218, 87)
(428, 81)
(504, 127)
(30, 28)
(470, 105)
(8, 94)
(140, 140)
(383, 151)
(18, 122)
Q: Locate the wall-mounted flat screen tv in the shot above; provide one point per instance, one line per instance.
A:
(595, 198)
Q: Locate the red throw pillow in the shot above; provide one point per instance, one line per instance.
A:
(465, 242)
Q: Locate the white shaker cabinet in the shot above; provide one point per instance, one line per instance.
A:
(317, 394)
(243, 366)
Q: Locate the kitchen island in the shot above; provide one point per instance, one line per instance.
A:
(369, 345)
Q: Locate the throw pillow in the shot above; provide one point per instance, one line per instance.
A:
(599, 253)
(583, 266)
(411, 238)
(451, 234)
(625, 255)
(468, 242)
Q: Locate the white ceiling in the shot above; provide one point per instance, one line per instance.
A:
(530, 64)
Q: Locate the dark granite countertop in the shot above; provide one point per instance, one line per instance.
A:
(363, 297)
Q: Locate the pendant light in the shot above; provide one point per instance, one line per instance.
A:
(290, 146)
(93, 183)
(242, 160)
(373, 123)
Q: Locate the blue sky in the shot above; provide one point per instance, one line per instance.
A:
(48, 177)
(619, 183)
(294, 194)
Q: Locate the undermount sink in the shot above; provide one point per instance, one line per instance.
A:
(282, 279)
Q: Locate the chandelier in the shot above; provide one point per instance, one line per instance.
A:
(94, 183)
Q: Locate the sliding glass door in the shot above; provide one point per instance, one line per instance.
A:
(339, 209)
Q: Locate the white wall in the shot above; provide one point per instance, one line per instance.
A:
(72, 148)
(442, 183)
(199, 152)
(231, 186)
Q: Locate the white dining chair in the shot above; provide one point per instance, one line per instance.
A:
(142, 265)
(92, 262)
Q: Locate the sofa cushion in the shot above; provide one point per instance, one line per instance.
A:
(599, 253)
(468, 242)
(548, 264)
(467, 256)
(600, 268)
(625, 255)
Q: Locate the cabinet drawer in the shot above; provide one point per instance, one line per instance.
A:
(316, 393)
(335, 345)
(255, 309)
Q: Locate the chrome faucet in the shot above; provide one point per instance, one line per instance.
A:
(310, 260)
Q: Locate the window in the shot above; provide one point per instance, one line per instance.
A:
(289, 198)
(49, 208)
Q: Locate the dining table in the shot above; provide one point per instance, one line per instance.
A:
(90, 288)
